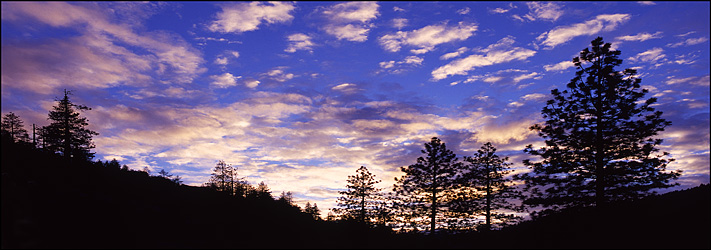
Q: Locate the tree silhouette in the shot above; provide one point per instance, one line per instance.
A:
(598, 138)
(485, 174)
(312, 210)
(12, 126)
(359, 201)
(67, 132)
(261, 191)
(429, 183)
(224, 179)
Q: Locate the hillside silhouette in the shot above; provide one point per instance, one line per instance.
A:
(50, 203)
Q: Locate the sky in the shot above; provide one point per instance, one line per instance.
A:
(300, 94)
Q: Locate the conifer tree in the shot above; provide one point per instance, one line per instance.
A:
(12, 126)
(599, 138)
(224, 179)
(314, 211)
(68, 133)
(485, 172)
(359, 201)
(428, 185)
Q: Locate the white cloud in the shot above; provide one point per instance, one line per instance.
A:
(500, 52)
(692, 80)
(547, 11)
(221, 60)
(463, 11)
(299, 41)
(562, 34)
(394, 67)
(251, 83)
(650, 56)
(346, 88)
(242, 17)
(454, 54)
(641, 37)
(351, 20)
(502, 10)
(646, 2)
(398, 9)
(427, 37)
(559, 66)
(223, 81)
(689, 42)
(399, 23)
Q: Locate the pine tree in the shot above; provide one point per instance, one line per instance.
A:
(428, 185)
(485, 173)
(224, 179)
(599, 144)
(12, 126)
(312, 210)
(360, 199)
(67, 132)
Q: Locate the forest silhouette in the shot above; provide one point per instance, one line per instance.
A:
(595, 187)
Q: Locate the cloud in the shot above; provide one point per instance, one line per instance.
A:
(547, 11)
(646, 3)
(463, 11)
(278, 74)
(454, 54)
(562, 34)
(99, 57)
(692, 80)
(688, 42)
(399, 23)
(502, 10)
(500, 52)
(559, 66)
(427, 37)
(346, 88)
(505, 77)
(223, 81)
(351, 20)
(251, 83)
(242, 17)
(649, 56)
(641, 37)
(394, 67)
(299, 41)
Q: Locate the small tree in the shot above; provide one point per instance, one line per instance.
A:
(599, 144)
(67, 132)
(224, 179)
(12, 126)
(429, 184)
(359, 201)
(261, 191)
(312, 210)
(486, 173)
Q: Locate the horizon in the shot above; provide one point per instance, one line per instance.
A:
(301, 94)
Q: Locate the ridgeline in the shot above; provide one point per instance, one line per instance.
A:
(50, 203)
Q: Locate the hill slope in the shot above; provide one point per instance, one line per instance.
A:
(49, 204)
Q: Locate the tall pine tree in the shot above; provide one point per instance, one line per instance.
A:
(68, 133)
(360, 200)
(599, 138)
(428, 185)
(485, 172)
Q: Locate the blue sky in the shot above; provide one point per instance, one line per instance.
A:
(300, 94)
